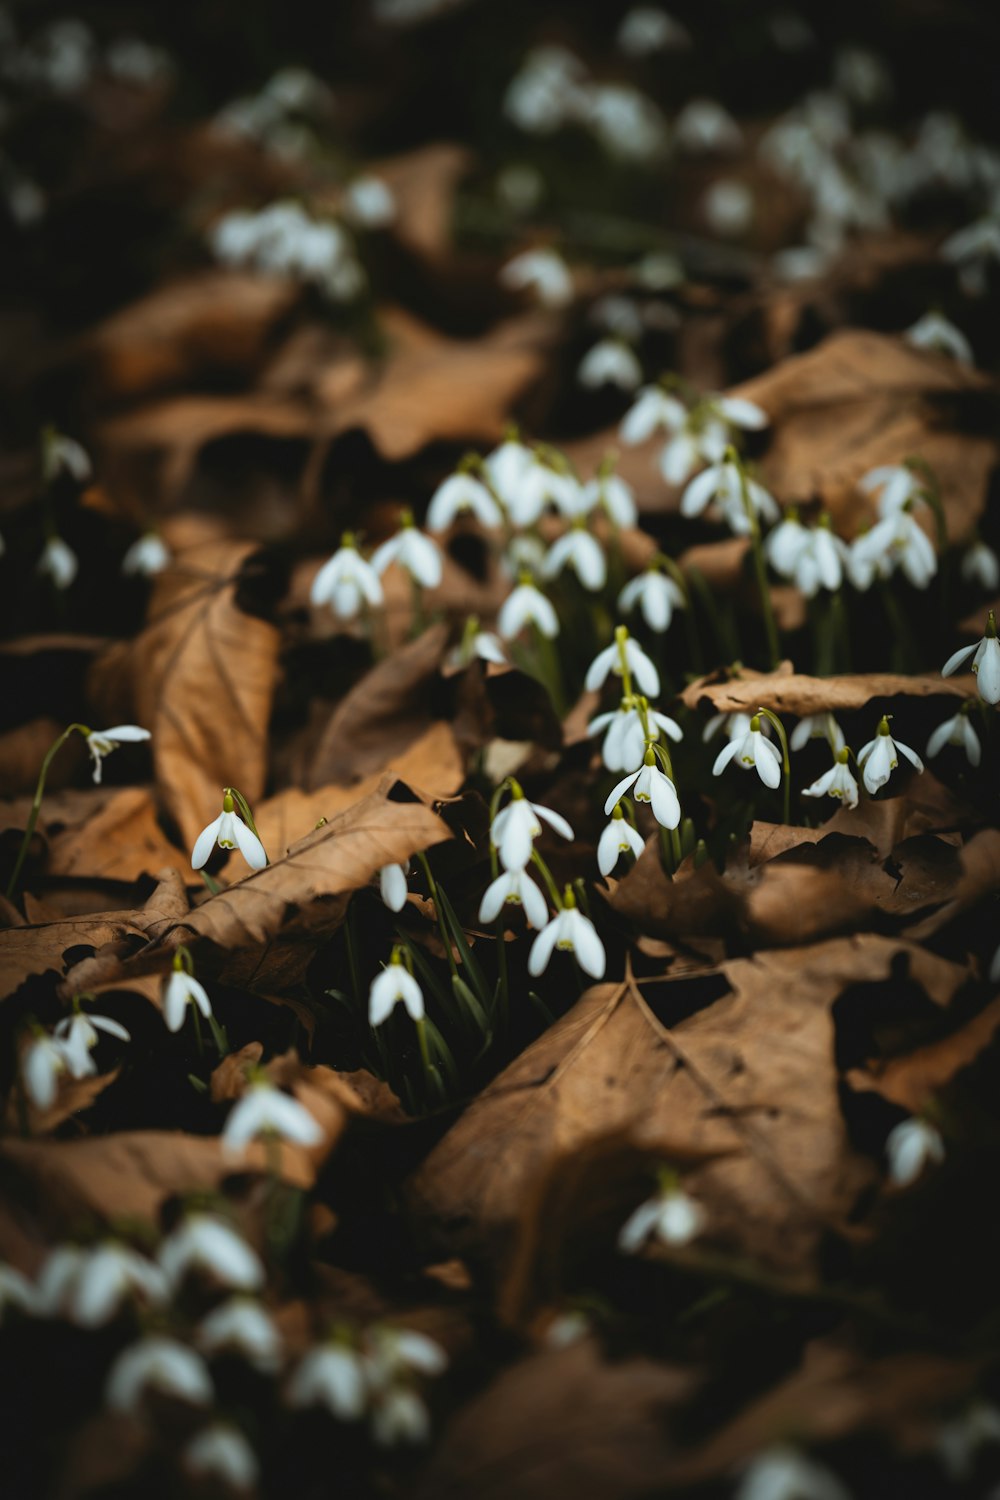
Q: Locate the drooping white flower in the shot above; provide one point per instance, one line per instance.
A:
(571, 931)
(221, 1452)
(506, 467)
(527, 605)
(64, 455)
(265, 1110)
(42, 1063)
(783, 1473)
(147, 556)
(582, 552)
(394, 984)
(972, 249)
(242, 1326)
(821, 561)
(981, 566)
(724, 483)
(614, 496)
(78, 1036)
(735, 725)
(879, 758)
(738, 411)
(646, 29)
(703, 126)
(617, 314)
(670, 1215)
(392, 885)
(656, 594)
(180, 990)
(626, 730)
(345, 582)
(910, 1147)
(897, 541)
(516, 826)
(541, 485)
(985, 663)
(654, 409)
(837, 782)
(393, 1352)
(205, 1243)
(56, 1280)
(460, 494)
(623, 653)
(865, 565)
(105, 1277)
(516, 888)
(957, 730)
(166, 1365)
(624, 120)
(752, 751)
(399, 1415)
(728, 206)
(817, 727)
(935, 332)
(370, 202)
(59, 562)
(610, 362)
(650, 784)
(229, 831)
(414, 552)
(617, 838)
(545, 94)
(334, 1376)
(101, 743)
(894, 485)
(543, 272)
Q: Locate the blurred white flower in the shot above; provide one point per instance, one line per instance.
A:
(101, 742)
(822, 726)
(59, 562)
(626, 123)
(646, 29)
(461, 493)
(821, 561)
(670, 1215)
(15, 1291)
(414, 552)
(783, 544)
(546, 93)
(580, 551)
(703, 125)
(610, 362)
(895, 485)
(205, 1243)
(346, 582)
(334, 1376)
(861, 75)
(369, 202)
(957, 730)
(981, 566)
(898, 541)
(723, 483)
(43, 1061)
(147, 556)
(392, 885)
(242, 1326)
(180, 990)
(656, 594)
(626, 729)
(635, 660)
(959, 1441)
(933, 331)
(617, 838)
(782, 1473)
(972, 249)
(506, 467)
(612, 494)
(728, 206)
(542, 272)
(64, 455)
(394, 984)
(527, 605)
(78, 1036)
(221, 1452)
(265, 1110)
(910, 1147)
(878, 759)
(105, 1277)
(654, 410)
(164, 1364)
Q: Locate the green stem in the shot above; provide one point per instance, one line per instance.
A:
(36, 805)
(553, 889)
(760, 568)
(442, 925)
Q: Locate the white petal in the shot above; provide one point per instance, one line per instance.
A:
(588, 947)
(702, 489)
(205, 843)
(555, 820)
(768, 762)
(392, 886)
(609, 847)
(957, 658)
(382, 996)
(250, 845)
(600, 667)
(663, 795)
(724, 756)
(988, 675)
(619, 791)
(541, 948)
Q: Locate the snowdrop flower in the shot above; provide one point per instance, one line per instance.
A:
(623, 656)
(181, 989)
(571, 931)
(817, 727)
(546, 93)
(985, 663)
(162, 1363)
(101, 742)
(646, 29)
(414, 552)
(265, 1110)
(895, 485)
(346, 582)
(42, 1063)
(650, 784)
(879, 758)
(399, 1415)
(15, 1291)
(147, 556)
(737, 411)
(781, 1473)
(981, 566)
(753, 750)
(543, 484)
(204, 1242)
(728, 207)
(78, 1035)
(58, 562)
(609, 362)
(972, 249)
(369, 202)
(653, 410)
(703, 125)
(63, 455)
(618, 838)
(506, 467)
(229, 831)
(392, 1352)
(334, 1376)
(617, 315)
(542, 272)
(724, 482)
(657, 596)
(222, 1452)
(523, 558)
(392, 885)
(242, 1326)
(933, 331)
(105, 1277)
(614, 496)
(582, 552)
(626, 123)
(736, 726)
(959, 1440)
(670, 1216)
(659, 271)
(57, 1279)
(865, 565)
(527, 605)
(514, 888)
(475, 644)
(458, 494)
(909, 1147)
(957, 730)
(628, 728)
(897, 541)
(395, 983)
(821, 560)
(783, 545)
(837, 782)
(516, 826)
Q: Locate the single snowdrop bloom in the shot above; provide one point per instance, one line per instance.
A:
(618, 315)
(837, 782)
(782, 1473)
(981, 566)
(346, 582)
(228, 831)
(646, 29)
(399, 1415)
(394, 984)
(64, 455)
(242, 1326)
(934, 331)
(958, 1442)
(580, 551)
(181, 989)
(898, 541)
(527, 605)
(752, 751)
(162, 1363)
(624, 657)
(894, 485)
(737, 411)
(618, 838)
(369, 202)
(78, 1035)
(572, 932)
(462, 494)
(654, 410)
(735, 725)
(972, 249)
(392, 885)
(610, 493)
(205, 1243)
(265, 1110)
(476, 645)
(543, 484)
(514, 888)
(516, 826)
(414, 552)
(656, 595)
(724, 483)
(56, 1280)
(728, 207)
(985, 662)
(221, 1452)
(43, 1062)
(506, 467)
(817, 727)
(821, 561)
(545, 94)
(147, 556)
(542, 272)
(523, 557)
(101, 743)
(610, 362)
(394, 1352)
(783, 545)
(334, 1376)
(703, 126)
(879, 758)
(650, 784)
(957, 730)
(106, 1277)
(59, 562)
(15, 1291)
(626, 731)
(910, 1147)
(864, 564)
(670, 1216)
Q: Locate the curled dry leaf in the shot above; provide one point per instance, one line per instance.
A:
(122, 841)
(786, 691)
(913, 1079)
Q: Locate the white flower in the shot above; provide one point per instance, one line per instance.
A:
(545, 94)
(728, 206)
(781, 1473)
(657, 596)
(959, 1440)
(541, 485)
(618, 315)
(543, 272)
(64, 454)
(517, 825)
(878, 759)
(204, 1242)
(650, 784)
(909, 1147)
(646, 29)
(736, 726)
(724, 482)
(506, 468)
(571, 931)
(392, 1352)
(265, 1110)
(147, 556)
(56, 1280)
(514, 887)
(101, 742)
(737, 411)
(476, 644)
(581, 551)
(618, 838)
(59, 562)
(703, 125)
(837, 782)
(15, 1291)
(896, 541)
(614, 496)
(370, 202)
(957, 730)
(392, 885)
(243, 1326)
(817, 727)
(395, 983)
(222, 1452)
(162, 1363)
(821, 561)
(934, 331)
(229, 831)
(653, 409)
(77, 1035)
(894, 484)
(180, 990)
(671, 1216)
(333, 1375)
(42, 1061)
(628, 727)
(609, 362)
(626, 123)
(457, 494)
(527, 604)
(753, 750)
(635, 659)
(864, 565)
(105, 1276)
(985, 662)
(981, 566)
(399, 1415)
(972, 249)
(345, 582)
(413, 551)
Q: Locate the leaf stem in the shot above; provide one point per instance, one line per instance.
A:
(36, 805)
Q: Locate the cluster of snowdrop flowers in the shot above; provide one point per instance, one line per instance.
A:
(697, 433)
(283, 240)
(66, 1052)
(553, 90)
(276, 116)
(64, 56)
(811, 557)
(373, 1374)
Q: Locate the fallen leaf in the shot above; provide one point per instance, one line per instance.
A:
(912, 1080)
(788, 692)
(122, 841)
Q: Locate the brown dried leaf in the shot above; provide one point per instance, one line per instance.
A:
(122, 841)
(911, 1081)
(786, 691)
(423, 183)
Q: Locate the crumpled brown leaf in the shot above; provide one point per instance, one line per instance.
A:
(786, 691)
